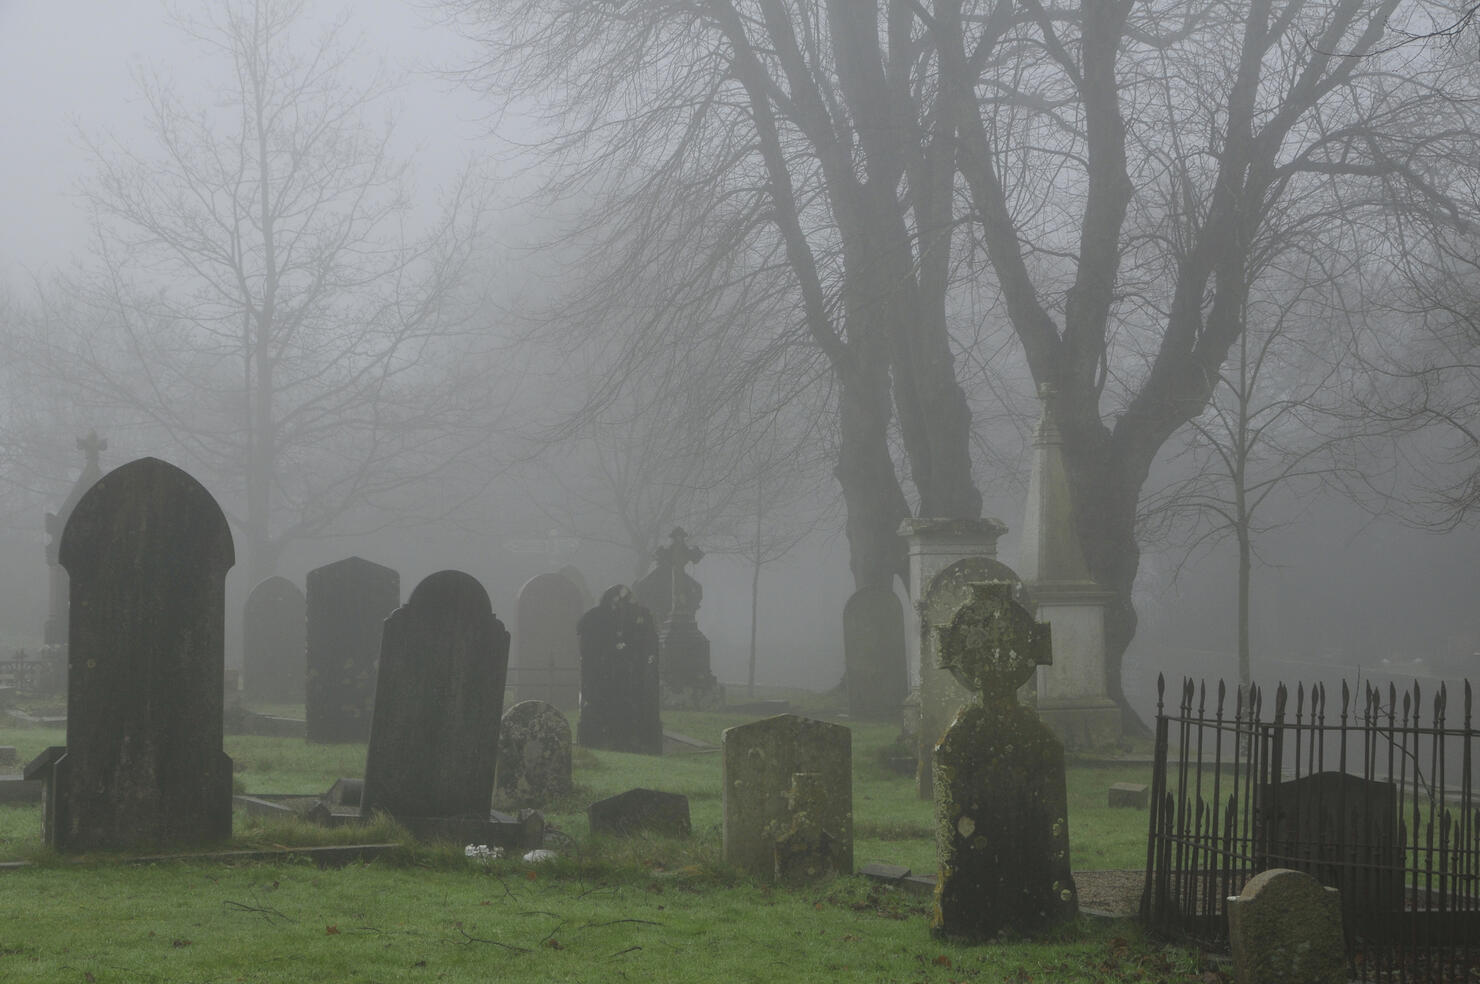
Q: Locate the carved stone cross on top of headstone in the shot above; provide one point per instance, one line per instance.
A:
(676, 556)
(992, 645)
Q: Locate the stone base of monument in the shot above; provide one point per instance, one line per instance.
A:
(703, 695)
(1081, 723)
(522, 832)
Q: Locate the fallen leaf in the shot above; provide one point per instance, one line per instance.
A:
(531, 875)
(331, 930)
(87, 976)
(942, 961)
(554, 944)
(179, 943)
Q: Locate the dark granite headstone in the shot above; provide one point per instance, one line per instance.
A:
(439, 694)
(274, 626)
(533, 755)
(146, 551)
(873, 653)
(619, 676)
(547, 658)
(1001, 803)
(641, 811)
(788, 797)
(347, 602)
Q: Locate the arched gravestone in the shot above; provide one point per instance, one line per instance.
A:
(534, 759)
(547, 656)
(274, 626)
(941, 695)
(146, 551)
(439, 694)
(347, 602)
(619, 676)
(874, 653)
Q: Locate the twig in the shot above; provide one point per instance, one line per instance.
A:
(628, 950)
(476, 939)
(266, 912)
(645, 922)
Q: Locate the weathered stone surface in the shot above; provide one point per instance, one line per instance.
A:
(1285, 926)
(547, 657)
(274, 642)
(533, 755)
(1135, 795)
(619, 676)
(941, 694)
(641, 811)
(763, 799)
(439, 695)
(874, 653)
(8, 756)
(1001, 805)
(347, 602)
(806, 849)
(146, 551)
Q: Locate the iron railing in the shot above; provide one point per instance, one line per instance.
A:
(1369, 798)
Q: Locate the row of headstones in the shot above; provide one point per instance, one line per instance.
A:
(147, 549)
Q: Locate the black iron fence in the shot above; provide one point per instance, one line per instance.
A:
(1374, 797)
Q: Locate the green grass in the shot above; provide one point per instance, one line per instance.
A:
(646, 908)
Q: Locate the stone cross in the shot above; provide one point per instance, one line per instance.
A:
(1001, 803)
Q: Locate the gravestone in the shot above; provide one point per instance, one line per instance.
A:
(874, 653)
(274, 637)
(619, 676)
(788, 797)
(1001, 806)
(439, 695)
(547, 655)
(146, 552)
(683, 651)
(347, 601)
(533, 755)
(54, 632)
(1286, 926)
(941, 694)
(573, 574)
(640, 811)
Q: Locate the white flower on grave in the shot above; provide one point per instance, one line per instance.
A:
(482, 852)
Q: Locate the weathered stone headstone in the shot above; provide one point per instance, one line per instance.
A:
(146, 551)
(347, 602)
(641, 811)
(941, 694)
(439, 695)
(547, 658)
(274, 640)
(1342, 829)
(874, 653)
(533, 755)
(788, 797)
(619, 676)
(683, 651)
(1286, 926)
(1001, 805)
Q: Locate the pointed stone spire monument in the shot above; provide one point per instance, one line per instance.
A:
(1073, 698)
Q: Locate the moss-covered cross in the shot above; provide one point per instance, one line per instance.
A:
(992, 644)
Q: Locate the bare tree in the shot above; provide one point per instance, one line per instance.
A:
(260, 294)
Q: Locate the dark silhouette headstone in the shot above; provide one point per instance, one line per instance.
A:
(874, 653)
(55, 631)
(274, 630)
(146, 550)
(439, 695)
(640, 811)
(347, 602)
(547, 658)
(1001, 805)
(619, 676)
(673, 597)
(533, 755)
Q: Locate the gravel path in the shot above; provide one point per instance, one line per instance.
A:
(1116, 892)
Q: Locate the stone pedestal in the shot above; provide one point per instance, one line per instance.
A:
(945, 556)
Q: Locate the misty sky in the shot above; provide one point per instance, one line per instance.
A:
(65, 65)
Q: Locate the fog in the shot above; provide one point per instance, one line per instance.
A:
(512, 489)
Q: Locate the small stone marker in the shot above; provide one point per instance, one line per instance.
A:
(1135, 795)
(619, 676)
(1001, 805)
(547, 656)
(146, 551)
(641, 810)
(347, 601)
(1285, 926)
(274, 626)
(533, 755)
(874, 653)
(8, 756)
(788, 797)
(439, 696)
